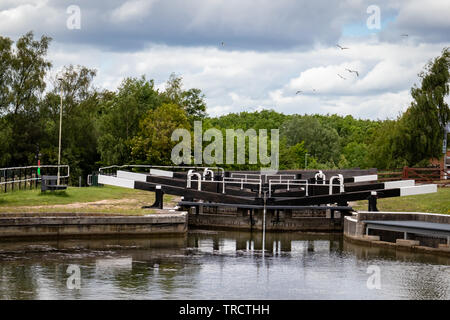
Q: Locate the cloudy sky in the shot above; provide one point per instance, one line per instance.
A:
(249, 55)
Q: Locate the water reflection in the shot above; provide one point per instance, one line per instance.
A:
(218, 265)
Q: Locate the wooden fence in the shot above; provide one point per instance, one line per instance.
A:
(420, 175)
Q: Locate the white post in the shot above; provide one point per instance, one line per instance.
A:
(60, 126)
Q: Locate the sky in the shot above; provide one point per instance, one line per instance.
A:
(248, 55)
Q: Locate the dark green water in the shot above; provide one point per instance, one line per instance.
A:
(218, 265)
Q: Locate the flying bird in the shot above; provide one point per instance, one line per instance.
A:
(403, 35)
(354, 71)
(299, 91)
(342, 48)
(341, 76)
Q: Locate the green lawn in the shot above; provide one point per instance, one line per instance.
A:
(438, 202)
(109, 199)
(106, 199)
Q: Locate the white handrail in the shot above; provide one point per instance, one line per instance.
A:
(205, 173)
(189, 178)
(341, 183)
(321, 175)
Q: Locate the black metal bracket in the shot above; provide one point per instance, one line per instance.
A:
(373, 202)
(159, 199)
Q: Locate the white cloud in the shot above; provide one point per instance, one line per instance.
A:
(240, 76)
(131, 10)
(235, 81)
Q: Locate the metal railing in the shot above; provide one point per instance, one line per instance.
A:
(288, 183)
(21, 178)
(107, 170)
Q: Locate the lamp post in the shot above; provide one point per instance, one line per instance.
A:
(60, 126)
(306, 160)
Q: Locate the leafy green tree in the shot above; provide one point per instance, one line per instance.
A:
(192, 100)
(29, 67)
(292, 157)
(321, 141)
(355, 155)
(423, 123)
(416, 137)
(79, 135)
(153, 144)
(5, 73)
(6, 142)
(121, 114)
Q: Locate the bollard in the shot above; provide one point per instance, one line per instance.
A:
(373, 201)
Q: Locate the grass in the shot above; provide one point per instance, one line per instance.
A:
(107, 199)
(438, 202)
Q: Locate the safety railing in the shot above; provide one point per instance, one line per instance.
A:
(110, 170)
(288, 183)
(28, 177)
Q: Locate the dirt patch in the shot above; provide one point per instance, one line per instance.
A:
(107, 205)
(78, 205)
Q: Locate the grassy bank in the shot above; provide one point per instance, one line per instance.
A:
(107, 199)
(438, 202)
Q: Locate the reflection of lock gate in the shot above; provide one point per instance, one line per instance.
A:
(213, 187)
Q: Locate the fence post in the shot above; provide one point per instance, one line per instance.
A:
(405, 173)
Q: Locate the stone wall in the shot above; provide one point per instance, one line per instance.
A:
(316, 221)
(354, 231)
(56, 226)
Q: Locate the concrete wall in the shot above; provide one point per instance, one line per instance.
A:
(284, 222)
(87, 225)
(355, 228)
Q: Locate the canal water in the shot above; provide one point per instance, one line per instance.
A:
(218, 265)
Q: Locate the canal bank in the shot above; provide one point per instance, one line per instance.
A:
(409, 231)
(65, 225)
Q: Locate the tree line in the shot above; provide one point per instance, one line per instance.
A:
(134, 123)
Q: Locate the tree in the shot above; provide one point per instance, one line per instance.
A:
(121, 114)
(26, 79)
(29, 68)
(153, 142)
(194, 104)
(192, 100)
(355, 155)
(292, 157)
(424, 122)
(6, 142)
(79, 130)
(321, 141)
(5, 73)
